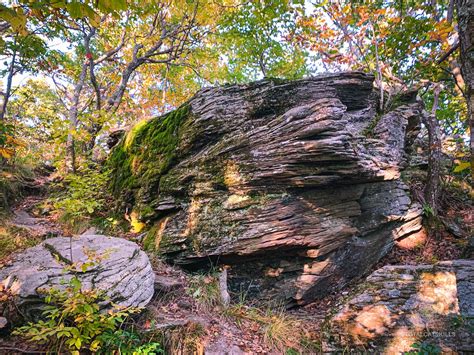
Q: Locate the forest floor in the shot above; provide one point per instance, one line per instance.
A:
(188, 310)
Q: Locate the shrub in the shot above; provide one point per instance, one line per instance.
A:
(14, 239)
(73, 320)
(424, 349)
(205, 289)
(85, 195)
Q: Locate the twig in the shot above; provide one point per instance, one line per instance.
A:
(448, 53)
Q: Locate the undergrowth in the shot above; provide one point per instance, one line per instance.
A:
(186, 339)
(279, 330)
(74, 321)
(82, 197)
(205, 289)
(13, 180)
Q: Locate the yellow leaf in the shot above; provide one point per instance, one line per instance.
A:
(6, 153)
(462, 166)
(137, 225)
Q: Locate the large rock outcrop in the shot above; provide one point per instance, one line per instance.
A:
(295, 185)
(114, 265)
(403, 305)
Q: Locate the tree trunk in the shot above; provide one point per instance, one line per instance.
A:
(434, 140)
(113, 102)
(8, 89)
(466, 39)
(116, 98)
(432, 182)
(73, 112)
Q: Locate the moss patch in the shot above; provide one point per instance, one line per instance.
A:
(145, 154)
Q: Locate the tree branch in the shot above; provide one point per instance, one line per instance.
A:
(448, 53)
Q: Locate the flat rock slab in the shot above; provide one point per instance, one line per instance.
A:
(115, 265)
(402, 305)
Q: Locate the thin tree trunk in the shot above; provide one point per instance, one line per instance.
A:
(261, 64)
(8, 89)
(466, 39)
(434, 140)
(73, 113)
(114, 101)
(458, 79)
(450, 14)
(378, 69)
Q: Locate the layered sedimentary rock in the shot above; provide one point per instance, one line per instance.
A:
(295, 185)
(403, 305)
(113, 265)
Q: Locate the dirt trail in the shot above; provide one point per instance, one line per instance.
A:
(26, 214)
(39, 226)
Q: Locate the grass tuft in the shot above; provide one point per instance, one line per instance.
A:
(205, 289)
(280, 331)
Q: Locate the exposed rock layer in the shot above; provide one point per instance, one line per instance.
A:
(402, 305)
(114, 265)
(295, 185)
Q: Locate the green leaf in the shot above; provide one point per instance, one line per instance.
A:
(15, 18)
(93, 17)
(197, 293)
(76, 283)
(75, 9)
(78, 343)
(112, 5)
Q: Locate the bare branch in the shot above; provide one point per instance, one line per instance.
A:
(117, 48)
(448, 53)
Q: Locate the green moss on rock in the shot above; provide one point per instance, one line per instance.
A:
(145, 154)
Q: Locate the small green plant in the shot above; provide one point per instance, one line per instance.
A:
(73, 320)
(148, 349)
(464, 321)
(428, 211)
(128, 342)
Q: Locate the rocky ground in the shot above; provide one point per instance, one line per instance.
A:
(188, 309)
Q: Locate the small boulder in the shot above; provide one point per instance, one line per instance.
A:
(403, 305)
(114, 265)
